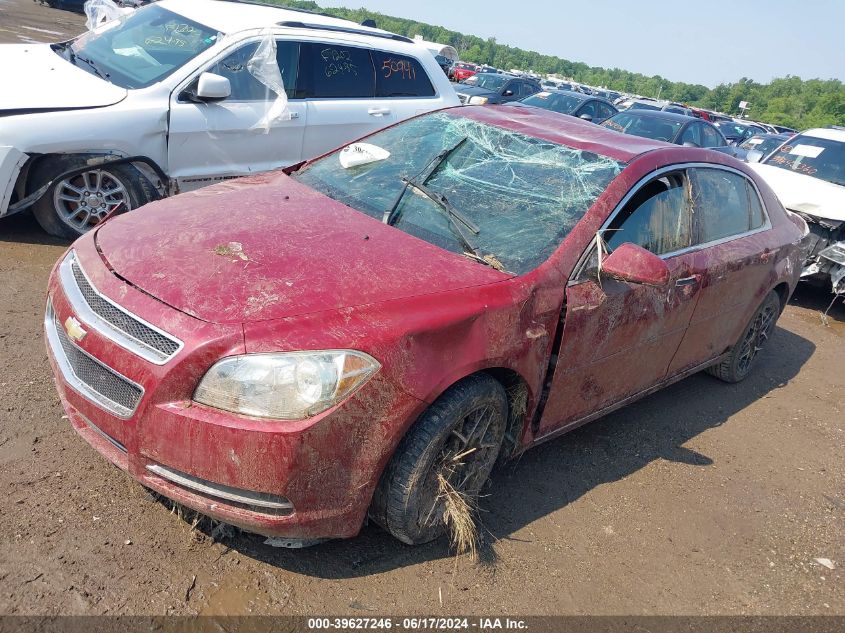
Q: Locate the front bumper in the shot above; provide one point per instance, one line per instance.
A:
(307, 479)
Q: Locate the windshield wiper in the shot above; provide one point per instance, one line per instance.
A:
(455, 217)
(392, 214)
(72, 57)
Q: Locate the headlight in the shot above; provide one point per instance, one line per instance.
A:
(478, 100)
(285, 386)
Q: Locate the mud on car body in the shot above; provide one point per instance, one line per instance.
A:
(194, 92)
(294, 351)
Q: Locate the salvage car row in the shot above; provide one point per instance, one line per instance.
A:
(366, 333)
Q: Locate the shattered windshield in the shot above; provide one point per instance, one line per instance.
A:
(140, 49)
(818, 157)
(521, 194)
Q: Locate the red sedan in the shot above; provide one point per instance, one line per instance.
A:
(293, 351)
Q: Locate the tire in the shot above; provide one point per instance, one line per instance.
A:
(739, 361)
(121, 188)
(407, 502)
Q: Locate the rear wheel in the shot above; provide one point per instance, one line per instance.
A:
(74, 205)
(457, 441)
(737, 365)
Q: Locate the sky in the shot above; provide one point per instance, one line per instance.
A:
(708, 42)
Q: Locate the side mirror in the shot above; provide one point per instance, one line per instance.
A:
(586, 117)
(507, 93)
(213, 87)
(636, 265)
(753, 156)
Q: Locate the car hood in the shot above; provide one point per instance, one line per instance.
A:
(806, 194)
(38, 79)
(267, 247)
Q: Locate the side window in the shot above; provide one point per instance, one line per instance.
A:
(711, 137)
(588, 108)
(528, 89)
(400, 76)
(605, 111)
(692, 135)
(332, 71)
(657, 217)
(726, 204)
(245, 87)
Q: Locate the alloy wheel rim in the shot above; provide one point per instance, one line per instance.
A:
(463, 460)
(88, 199)
(756, 337)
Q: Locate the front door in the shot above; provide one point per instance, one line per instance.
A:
(619, 338)
(212, 141)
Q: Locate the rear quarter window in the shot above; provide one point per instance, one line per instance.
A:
(400, 76)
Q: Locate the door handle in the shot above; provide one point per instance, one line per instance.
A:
(378, 111)
(294, 115)
(687, 281)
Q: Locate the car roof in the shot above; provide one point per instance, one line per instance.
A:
(662, 114)
(562, 129)
(231, 16)
(570, 93)
(829, 133)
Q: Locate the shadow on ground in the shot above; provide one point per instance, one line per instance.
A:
(820, 299)
(556, 473)
(22, 228)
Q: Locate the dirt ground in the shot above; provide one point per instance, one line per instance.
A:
(702, 499)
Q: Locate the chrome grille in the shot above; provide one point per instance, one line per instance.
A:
(113, 321)
(94, 380)
(463, 98)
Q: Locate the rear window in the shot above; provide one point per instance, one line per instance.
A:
(523, 194)
(400, 76)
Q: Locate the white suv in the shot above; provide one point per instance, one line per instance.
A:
(807, 173)
(179, 94)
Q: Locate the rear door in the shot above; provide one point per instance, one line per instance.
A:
(404, 81)
(339, 85)
(208, 142)
(734, 258)
(620, 338)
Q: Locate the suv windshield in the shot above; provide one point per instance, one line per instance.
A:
(818, 157)
(490, 82)
(565, 104)
(522, 194)
(142, 48)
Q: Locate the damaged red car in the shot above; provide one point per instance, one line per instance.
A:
(296, 351)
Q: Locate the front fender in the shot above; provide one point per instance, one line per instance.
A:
(12, 161)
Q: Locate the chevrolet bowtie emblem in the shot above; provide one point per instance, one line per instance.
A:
(74, 329)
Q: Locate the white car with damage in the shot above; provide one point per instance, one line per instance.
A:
(808, 175)
(184, 93)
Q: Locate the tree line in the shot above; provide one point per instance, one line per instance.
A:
(787, 101)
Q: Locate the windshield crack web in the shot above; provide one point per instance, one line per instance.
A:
(525, 194)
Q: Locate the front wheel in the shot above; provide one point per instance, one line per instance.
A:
(737, 365)
(76, 204)
(454, 445)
